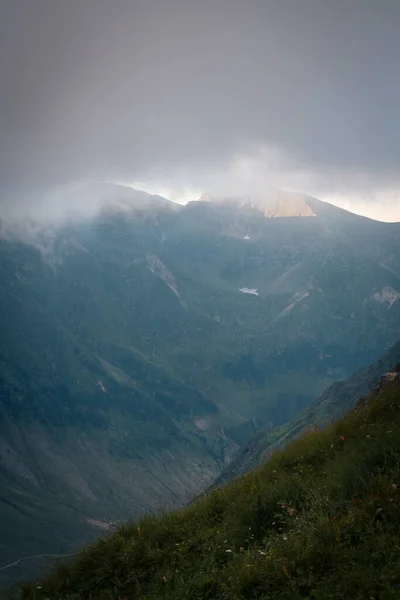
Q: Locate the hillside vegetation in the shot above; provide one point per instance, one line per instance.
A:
(319, 520)
(333, 403)
(132, 367)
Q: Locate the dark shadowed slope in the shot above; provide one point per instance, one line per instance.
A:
(337, 400)
(320, 518)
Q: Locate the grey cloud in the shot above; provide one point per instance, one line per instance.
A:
(162, 88)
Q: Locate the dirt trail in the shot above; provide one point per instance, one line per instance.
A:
(17, 562)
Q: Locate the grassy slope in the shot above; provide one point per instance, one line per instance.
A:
(320, 520)
(333, 403)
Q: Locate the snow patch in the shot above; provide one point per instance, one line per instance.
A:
(246, 290)
(295, 300)
(201, 424)
(246, 237)
(160, 270)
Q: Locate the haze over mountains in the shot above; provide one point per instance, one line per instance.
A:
(191, 273)
(133, 366)
(335, 402)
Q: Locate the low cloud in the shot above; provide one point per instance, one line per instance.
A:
(259, 172)
(189, 95)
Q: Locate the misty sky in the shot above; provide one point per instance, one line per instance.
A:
(183, 96)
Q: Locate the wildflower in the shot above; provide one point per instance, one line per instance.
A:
(261, 552)
(394, 486)
(165, 580)
(341, 438)
(229, 551)
(285, 570)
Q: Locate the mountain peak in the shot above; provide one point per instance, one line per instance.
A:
(273, 204)
(204, 198)
(286, 204)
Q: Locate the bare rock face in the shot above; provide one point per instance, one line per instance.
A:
(388, 378)
(161, 271)
(274, 204)
(286, 204)
(384, 380)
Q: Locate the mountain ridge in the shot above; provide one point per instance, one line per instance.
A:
(100, 358)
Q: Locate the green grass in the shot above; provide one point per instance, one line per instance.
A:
(320, 520)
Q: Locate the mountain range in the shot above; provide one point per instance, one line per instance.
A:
(144, 347)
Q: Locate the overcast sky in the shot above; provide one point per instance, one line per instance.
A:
(185, 96)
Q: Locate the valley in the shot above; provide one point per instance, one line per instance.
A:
(133, 367)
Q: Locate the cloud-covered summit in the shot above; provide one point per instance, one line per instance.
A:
(179, 92)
